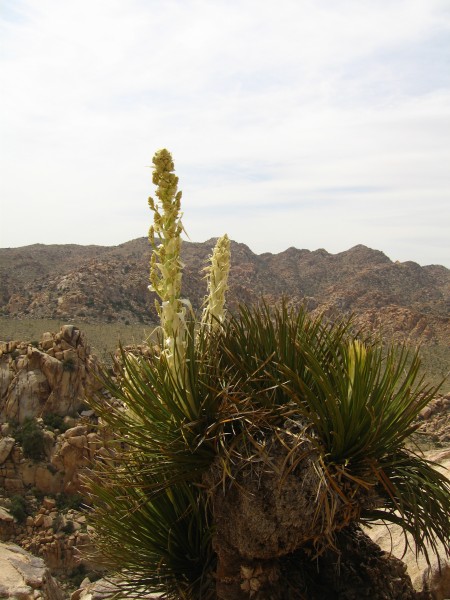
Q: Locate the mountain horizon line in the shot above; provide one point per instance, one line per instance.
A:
(212, 240)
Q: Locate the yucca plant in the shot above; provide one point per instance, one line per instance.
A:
(282, 431)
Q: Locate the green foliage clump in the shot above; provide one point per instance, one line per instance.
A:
(38, 494)
(31, 438)
(54, 421)
(18, 508)
(69, 501)
(68, 528)
(77, 575)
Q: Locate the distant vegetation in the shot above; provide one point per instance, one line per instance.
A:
(436, 365)
(102, 337)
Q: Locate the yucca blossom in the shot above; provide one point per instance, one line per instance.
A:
(217, 276)
(165, 264)
(356, 358)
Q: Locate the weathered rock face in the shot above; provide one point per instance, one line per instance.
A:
(25, 577)
(6, 445)
(67, 456)
(60, 536)
(8, 526)
(75, 450)
(435, 421)
(57, 537)
(102, 589)
(53, 378)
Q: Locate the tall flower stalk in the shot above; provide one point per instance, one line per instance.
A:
(165, 264)
(217, 277)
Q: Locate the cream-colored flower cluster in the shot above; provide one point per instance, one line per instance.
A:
(356, 358)
(217, 276)
(165, 265)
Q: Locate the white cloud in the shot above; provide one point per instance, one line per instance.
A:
(294, 123)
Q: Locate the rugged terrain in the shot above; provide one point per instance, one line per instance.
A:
(96, 283)
(107, 288)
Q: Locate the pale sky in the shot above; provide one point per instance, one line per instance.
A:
(306, 123)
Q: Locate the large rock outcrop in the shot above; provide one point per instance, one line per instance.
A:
(25, 577)
(60, 471)
(54, 377)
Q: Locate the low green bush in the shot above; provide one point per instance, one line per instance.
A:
(69, 501)
(68, 528)
(18, 508)
(54, 421)
(77, 575)
(31, 437)
(38, 494)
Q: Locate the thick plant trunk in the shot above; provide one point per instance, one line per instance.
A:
(357, 569)
(275, 513)
(238, 578)
(267, 511)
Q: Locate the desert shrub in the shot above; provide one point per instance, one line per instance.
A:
(38, 494)
(268, 375)
(31, 438)
(77, 575)
(68, 528)
(57, 523)
(69, 501)
(54, 421)
(18, 508)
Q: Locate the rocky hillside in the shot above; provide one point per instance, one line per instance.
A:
(107, 284)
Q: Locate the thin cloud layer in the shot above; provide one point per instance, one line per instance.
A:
(308, 124)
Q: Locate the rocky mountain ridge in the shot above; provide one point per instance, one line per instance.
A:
(106, 284)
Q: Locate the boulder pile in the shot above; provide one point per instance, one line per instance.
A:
(25, 577)
(435, 421)
(59, 469)
(57, 537)
(52, 376)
